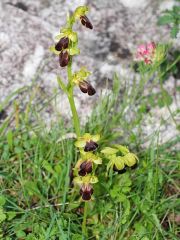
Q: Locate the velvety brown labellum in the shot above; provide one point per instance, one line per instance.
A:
(85, 21)
(86, 87)
(119, 171)
(91, 91)
(62, 44)
(85, 168)
(83, 86)
(86, 192)
(64, 59)
(90, 146)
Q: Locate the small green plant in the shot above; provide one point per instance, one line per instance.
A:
(172, 18)
(90, 158)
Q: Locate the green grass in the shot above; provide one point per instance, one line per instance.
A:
(36, 200)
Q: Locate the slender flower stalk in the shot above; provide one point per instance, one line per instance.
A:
(75, 116)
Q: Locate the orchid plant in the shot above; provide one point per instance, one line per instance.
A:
(89, 150)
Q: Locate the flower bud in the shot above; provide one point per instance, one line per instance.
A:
(119, 171)
(62, 44)
(85, 168)
(64, 58)
(86, 191)
(90, 146)
(85, 21)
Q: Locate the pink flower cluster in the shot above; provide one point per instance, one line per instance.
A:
(146, 53)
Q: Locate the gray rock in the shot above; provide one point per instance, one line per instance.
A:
(28, 29)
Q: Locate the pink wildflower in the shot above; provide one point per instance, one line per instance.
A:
(146, 52)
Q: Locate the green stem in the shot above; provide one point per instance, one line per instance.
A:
(71, 100)
(84, 230)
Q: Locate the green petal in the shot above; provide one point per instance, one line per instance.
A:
(80, 143)
(119, 163)
(95, 138)
(130, 159)
(109, 150)
(93, 179)
(61, 35)
(74, 51)
(73, 36)
(53, 50)
(80, 11)
(87, 137)
(124, 150)
(78, 180)
(97, 161)
(109, 165)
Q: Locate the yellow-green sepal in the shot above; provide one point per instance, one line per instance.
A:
(130, 159)
(80, 11)
(80, 143)
(109, 151)
(74, 51)
(119, 163)
(53, 50)
(124, 150)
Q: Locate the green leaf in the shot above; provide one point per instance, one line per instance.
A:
(48, 166)
(21, 234)
(2, 200)
(157, 222)
(11, 215)
(31, 188)
(2, 215)
(165, 19)
(122, 197)
(165, 99)
(174, 31)
(10, 139)
(77, 237)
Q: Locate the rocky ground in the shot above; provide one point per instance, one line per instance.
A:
(27, 30)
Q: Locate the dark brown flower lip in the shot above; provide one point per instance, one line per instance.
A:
(83, 86)
(64, 58)
(86, 87)
(86, 196)
(90, 146)
(91, 91)
(62, 44)
(85, 168)
(86, 191)
(86, 22)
